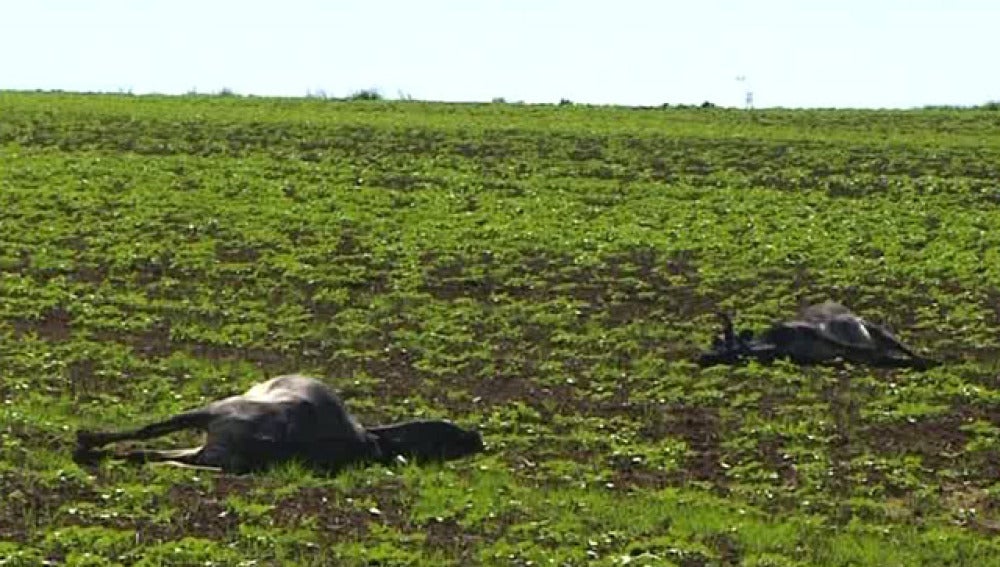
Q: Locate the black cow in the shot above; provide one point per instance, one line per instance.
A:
(822, 333)
(285, 418)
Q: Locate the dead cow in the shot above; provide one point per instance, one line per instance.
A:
(822, 333)
(285, 418)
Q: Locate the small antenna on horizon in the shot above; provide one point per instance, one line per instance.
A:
(748, 94)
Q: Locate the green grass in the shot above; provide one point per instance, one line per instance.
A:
(542, 273)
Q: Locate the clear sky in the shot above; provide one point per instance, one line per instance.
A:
(793, 53)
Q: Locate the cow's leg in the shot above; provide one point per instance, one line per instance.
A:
(887, 340)
(727, 347)
(184, 465)
(189, 456)
(195, 419)
(728, 336)
(184, 458)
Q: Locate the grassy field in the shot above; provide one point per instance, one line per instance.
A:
(542, 273)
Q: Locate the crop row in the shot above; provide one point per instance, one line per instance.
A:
(543, 274)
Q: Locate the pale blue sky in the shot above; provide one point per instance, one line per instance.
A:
(846, 53)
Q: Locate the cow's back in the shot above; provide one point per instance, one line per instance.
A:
(824, 312)
(840, 324)
(309, 407)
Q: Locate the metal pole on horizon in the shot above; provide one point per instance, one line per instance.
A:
(748, 94)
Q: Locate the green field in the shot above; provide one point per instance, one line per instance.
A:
(542, 273)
